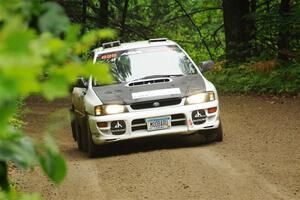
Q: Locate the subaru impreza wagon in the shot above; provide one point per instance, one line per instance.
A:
(157, 90)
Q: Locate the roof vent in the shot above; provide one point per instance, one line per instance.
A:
(111, 44)
(149, 81)
(158, 40)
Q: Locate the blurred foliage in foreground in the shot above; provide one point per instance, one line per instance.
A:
(14, 195)
(39, 54)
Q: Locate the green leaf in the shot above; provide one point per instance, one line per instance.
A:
(56, 86)
(54, 166)
(14, 195)
(73, 33)
(50, 144)
(21, 151)
(99, 71)
(24, 83)
(17, 41)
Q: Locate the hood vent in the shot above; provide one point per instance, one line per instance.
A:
(148, 81)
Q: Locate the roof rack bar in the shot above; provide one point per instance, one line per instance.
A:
(158, 40)
(111, 44)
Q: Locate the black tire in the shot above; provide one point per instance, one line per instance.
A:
(83, 134)
(73, 124)
(91, 147)
(214, 135)
(78, 136)
(219, 133)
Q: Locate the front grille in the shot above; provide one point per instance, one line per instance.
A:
(140, 124)
(151, 104)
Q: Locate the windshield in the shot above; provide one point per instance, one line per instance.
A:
(148, 62)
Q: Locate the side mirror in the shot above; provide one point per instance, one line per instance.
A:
(81, 83)
(206, 65)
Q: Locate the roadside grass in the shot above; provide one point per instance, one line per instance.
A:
(269, 77)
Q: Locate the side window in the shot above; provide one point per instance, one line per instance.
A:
(186, 65)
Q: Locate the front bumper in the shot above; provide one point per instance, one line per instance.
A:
(104, 135)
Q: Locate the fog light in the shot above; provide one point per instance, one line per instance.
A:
(212, 110)
(118, 127)
(199, 117)
(102, 124)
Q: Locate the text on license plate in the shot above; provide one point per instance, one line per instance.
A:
(158, 123)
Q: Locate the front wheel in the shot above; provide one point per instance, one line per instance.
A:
(219, 133)
(77, 135)
(214, 135)
(91, 147)
(79, 131)
(73, 123)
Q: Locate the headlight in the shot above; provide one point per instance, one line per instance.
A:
(200, 98)
(114, 109)
(98, 110)
(109, 109)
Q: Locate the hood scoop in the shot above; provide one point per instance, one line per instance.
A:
(148, 82)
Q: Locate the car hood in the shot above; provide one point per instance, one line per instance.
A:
(177, 87)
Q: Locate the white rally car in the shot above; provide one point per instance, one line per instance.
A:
(157, 90)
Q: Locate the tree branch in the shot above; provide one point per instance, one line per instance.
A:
(131, 29)
(197, 28)
(192, 13)
(217, 30)
(84, 16)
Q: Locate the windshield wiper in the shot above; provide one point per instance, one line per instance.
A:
(158, 76)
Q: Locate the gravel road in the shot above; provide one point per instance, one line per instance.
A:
(259, 158)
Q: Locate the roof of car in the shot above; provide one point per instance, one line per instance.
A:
(132, 45)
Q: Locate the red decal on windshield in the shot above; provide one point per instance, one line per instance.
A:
(108, 56)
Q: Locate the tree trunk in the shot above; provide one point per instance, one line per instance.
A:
(3, 176)
(239, 29)
(103, 14)
(284, 32)
(124, 15)
(252, 29)
(84, 16)
(73, 9)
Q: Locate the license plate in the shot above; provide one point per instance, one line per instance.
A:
(158, 123)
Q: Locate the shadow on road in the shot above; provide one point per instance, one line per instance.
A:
(147, 144)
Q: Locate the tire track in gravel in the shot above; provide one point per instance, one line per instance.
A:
(239, 176)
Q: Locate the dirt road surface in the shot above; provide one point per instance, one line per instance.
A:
(259, 158)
